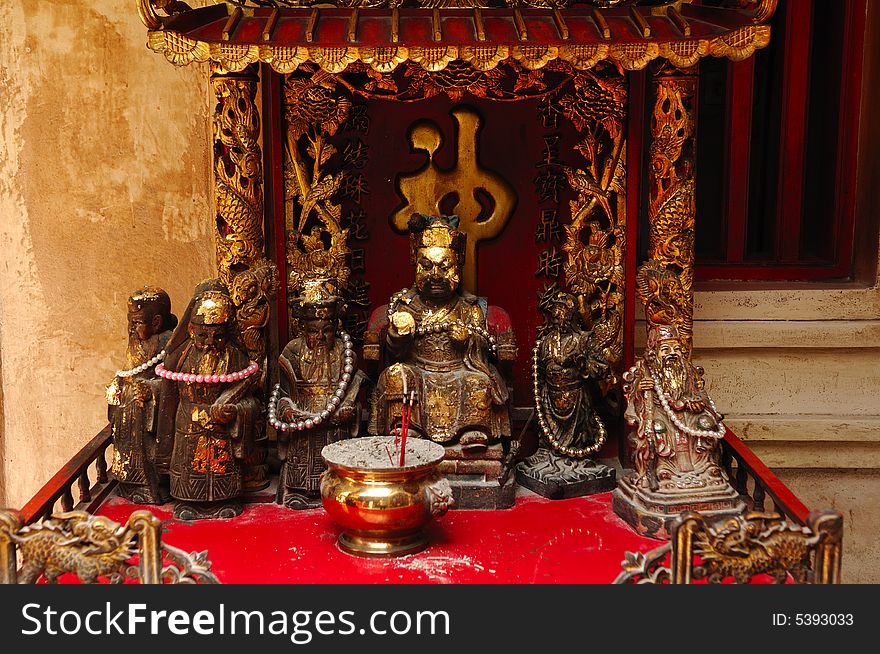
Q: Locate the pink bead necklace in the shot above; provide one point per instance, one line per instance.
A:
(207, 379)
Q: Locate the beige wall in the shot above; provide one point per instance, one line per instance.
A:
(104, 187)
(798, 374)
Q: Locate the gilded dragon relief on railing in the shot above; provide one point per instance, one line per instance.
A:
(95, 549)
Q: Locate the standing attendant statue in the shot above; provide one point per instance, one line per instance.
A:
(676, 443)
(315, 401)
(567, 373)
(133, 398)
(210, 407)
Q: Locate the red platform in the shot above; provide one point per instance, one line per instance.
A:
(576, 541)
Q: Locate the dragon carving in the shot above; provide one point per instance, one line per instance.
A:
(94, 549)
(252, 292)
(672, 199)
(238, 174)
(88, 546)
(739, 547)
(661, 291)
(756, 543)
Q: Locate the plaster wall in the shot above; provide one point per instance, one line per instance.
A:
(104, 187)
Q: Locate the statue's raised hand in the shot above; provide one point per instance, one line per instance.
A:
(223, 413)
(402, 324)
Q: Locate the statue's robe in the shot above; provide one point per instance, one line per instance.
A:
(133, 424)
(456, 388)
(308, 379)
(206, 459)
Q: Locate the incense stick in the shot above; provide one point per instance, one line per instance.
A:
(405, 430)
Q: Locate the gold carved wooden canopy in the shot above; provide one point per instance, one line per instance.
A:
(286, 33)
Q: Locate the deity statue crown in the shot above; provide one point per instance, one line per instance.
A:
(659, 333)
(436, 232)
(212, 308)
(318, 298)
(149, 295)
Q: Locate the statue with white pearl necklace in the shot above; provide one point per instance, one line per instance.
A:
(676, 443)
(315, 401)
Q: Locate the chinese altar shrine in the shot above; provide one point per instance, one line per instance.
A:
(560, 135)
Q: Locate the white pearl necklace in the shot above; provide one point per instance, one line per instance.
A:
(332, 404)
(139, 369)
(542, 421)
(717, 433)
(428, 327)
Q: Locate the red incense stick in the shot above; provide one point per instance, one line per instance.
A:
(404, 427)
(397, 434)
(407, 412)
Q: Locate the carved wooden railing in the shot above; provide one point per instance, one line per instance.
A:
(757, 483)
(748, 474)
(85, 474)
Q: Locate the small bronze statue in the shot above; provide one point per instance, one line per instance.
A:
(133, 398)
(315, 401)
(676, 449)
(568, 370)
(437, 339)
(209, 405)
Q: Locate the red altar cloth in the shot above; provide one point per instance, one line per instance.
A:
(578, 541)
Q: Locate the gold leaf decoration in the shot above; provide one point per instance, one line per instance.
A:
(333, 60)
(178, 49)
(583, 57)
(534, 57)
(684, 54)
(283, 60)
(484, 57)
(633, 56)
(434, 59)
(234, 58)
(384, 60)
(742, 43)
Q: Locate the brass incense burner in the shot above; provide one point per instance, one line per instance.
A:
(384, 507)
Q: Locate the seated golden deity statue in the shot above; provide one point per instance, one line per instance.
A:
(439, 340)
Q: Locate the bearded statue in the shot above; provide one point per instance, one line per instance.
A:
(676, 445)
(315, 401)
(444, 351)
(133, 398)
